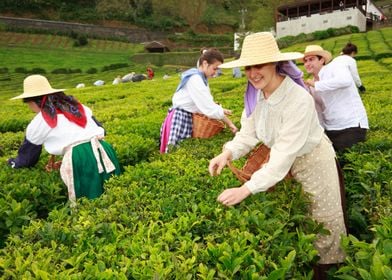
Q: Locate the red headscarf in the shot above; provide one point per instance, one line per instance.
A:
(59, 103)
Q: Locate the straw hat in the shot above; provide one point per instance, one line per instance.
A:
(318, 50)
(36, 85)
(260, 48)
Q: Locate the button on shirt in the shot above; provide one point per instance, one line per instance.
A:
(287, 123)
(195, 97)
(343, 107)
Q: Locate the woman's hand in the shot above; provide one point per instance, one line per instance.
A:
(227, 112)
(219, 162)
(233, 128)
(309, 82)
(233, 196)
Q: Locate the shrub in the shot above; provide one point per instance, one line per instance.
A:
(38, 70)
(383, 55)
(114, 66)
(81, 41)
(4, 70)
(66, 71)
(92, 70)
(22, 70)
(60, 71)
(319, 35)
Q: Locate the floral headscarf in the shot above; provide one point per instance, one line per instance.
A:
(59, 103)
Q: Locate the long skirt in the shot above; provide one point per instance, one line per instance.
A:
(86, 166)
(318, 174)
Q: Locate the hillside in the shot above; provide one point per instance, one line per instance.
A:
(214, 16)
(201, 16)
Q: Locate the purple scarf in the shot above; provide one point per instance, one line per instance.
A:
(286, 68)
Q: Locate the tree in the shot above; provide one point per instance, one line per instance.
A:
(192, 11)
(112, 8)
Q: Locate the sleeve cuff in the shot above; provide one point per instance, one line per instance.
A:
(11, 162)
(252, 187)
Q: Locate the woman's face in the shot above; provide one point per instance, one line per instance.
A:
(261, 75)
(210, 69)
(33, 106)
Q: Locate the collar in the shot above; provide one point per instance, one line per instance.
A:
(189, 73)
(279, 94)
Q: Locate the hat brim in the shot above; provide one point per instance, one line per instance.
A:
(325, 54)
(35, 94)
(255, 60)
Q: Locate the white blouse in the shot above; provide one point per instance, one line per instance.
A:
(55, 140)
(195, 97)
(287, 123)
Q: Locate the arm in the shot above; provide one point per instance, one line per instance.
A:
(28, 155)
(235, 146)
(99, 124)
(230, 124)
(354, 72)
(245, 139)
(338, 77)
(292, 137)
(201, 96)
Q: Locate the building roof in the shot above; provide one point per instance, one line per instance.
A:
(156, 46)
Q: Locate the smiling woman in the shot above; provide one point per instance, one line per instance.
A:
(282, 116)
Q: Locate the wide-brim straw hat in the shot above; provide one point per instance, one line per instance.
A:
(36, 85)
(260, 48)
(318, 51)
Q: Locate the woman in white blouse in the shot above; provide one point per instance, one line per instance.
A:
(193, 95)
(66, 127)
(284, 119)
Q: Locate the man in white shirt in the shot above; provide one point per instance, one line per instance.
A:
(342, 111)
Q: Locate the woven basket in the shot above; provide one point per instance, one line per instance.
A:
(258, 157)
(204, 127)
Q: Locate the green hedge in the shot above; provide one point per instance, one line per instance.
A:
(171, 58)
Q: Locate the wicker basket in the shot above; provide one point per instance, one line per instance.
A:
(204, 127)
(258, 157)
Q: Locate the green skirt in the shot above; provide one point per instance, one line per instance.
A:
(88, 181)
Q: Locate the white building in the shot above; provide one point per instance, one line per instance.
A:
(313, 15)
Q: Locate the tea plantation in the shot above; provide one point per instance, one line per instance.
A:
(160, 218)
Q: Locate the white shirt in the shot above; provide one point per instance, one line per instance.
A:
(287, 123)
(195, 97)
(64, 134)
(343, 107)
(351, 65)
